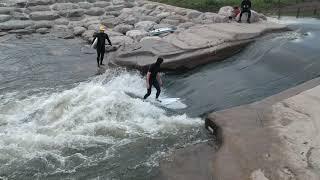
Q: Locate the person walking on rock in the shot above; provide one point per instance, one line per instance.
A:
(245, 8)
(153, 79)
(100, 44)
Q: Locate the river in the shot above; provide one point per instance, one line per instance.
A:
(60, 120)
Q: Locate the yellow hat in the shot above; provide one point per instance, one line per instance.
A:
(102, 28)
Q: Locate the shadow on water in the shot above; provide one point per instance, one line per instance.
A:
(268, 66)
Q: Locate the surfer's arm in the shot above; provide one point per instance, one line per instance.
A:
(159, 79)
(108, 39)
(148, 78)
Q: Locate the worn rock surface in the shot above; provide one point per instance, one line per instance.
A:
(189, 48)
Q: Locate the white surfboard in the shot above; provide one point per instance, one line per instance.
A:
(170, 103)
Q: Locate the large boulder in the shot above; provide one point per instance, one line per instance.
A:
(6, 10)
(21, 31)
(95, 11)
(39, 8)
(254, 16)
(72, 13)
(101, 4)
(44, 15)
(170, 21)
(64, 6)
(42, 24)
(114, 8)
(20, 16)
(42, 30)
(156, 38)
(112, 33)
(15, 24)
(118, 2)
(179, 18)
(181, 11)
(90, 20)
(77, 31)
(150, 18)
(193, 14)
(137, 34)
(158, 26)
(209, 18)
(144, 25)
(61, 21)
(88, 35)
(150, 6)
(113, 13)
(109, 21)
(226, 11)
(73, 24)
(85, 5)
(163, 15)
(186, 25)
(4, 18)
(94, 27)
(40, 2)
(123, 28)
(127, 20)
(121, 40)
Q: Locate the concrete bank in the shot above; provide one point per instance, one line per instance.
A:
(276, 139)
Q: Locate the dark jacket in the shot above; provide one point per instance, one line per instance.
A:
(246, 4)
(101, 40)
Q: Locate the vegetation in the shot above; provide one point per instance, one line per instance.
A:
(213, 5)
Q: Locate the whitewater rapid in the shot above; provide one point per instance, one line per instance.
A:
(91, 130)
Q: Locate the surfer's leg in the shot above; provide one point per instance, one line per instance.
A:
(101, 57)
(98, 57)
(156, 85)
(148, 93)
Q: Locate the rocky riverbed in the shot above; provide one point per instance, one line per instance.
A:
(196, 34)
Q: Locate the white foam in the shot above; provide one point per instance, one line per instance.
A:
(93, 113)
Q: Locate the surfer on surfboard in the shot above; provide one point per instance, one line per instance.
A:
(153, 79)
(100, 44)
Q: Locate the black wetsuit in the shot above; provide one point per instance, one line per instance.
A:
(246, 8)
(154, 70)
(101, 49)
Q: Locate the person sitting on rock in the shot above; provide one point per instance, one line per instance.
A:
(153, 79)
(245, 8)
(100, 47)
(235, 12)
